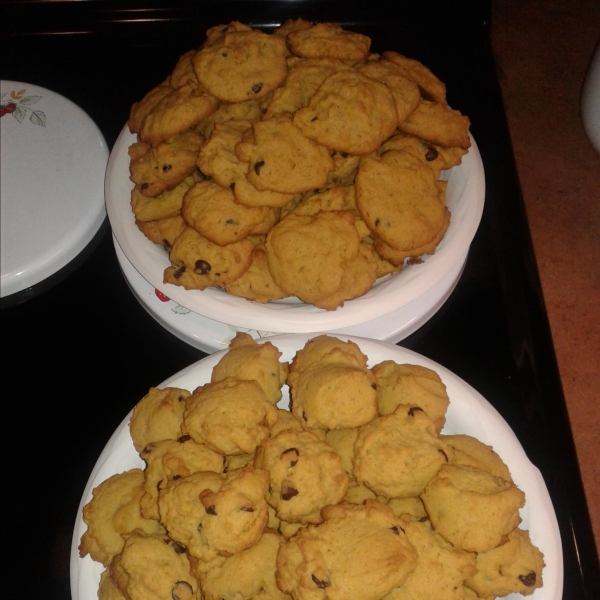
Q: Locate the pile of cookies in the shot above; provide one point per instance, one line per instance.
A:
(353, 493)
(293, 164)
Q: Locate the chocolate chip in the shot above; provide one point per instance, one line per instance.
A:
(176, 477)
(293, 463)
(257, 87)
(313, 119)
(179, 548)
(377, 221)
(167, 245)
(395, 529)
(230, 222)
(529, 579)
(145, 186)
(333, 153)
(179, 272)
(184, 438)
(224, 54)
(181, 398)
(182, 590)
(288, 492)
(202, 266)
(210, 510)
(344, 154)
(247, 509)
(232, 186)
(166, 168)
(432, 154)
(442, 452)
(414, 409)
(258, 165)
(374, 386)
(319, 583)
(422, 519)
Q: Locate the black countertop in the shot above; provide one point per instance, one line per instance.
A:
(83, 352)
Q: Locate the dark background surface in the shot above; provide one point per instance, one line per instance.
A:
(80, 354)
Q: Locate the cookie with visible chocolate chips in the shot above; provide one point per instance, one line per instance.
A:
(212, 211)
(160, 168)
(242, 65)
(198, 263)
(438, 124)
(305, 472)
(282, 159)
(169, 460)
(350, 113)
(153, 567)
(158, 416)
(357, 552)
(114, 510)
(163, 232)
(398, 455)
(165, 205)
(328, 40)
(402, 204)
(215, 416)
(216, 515)
(412, 385)
(441, 568)
(513, 567)
(218, 159)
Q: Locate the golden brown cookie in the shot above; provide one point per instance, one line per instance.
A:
(242, 65)
(249, 574)
(349, 113)
(306, 474)
(438, 124)
(248, 360)
(214, 515)
(357, 552)
(430, 85)
(212, 211)
(412, 385)
(163, 232)
(329, 40)
(113, 511)
(199, 263)
(140, 109)
(471, 508)
(307, 255)
(169, 460)
(398, 455)
(402, 204)
(158, 416)
(176, 113)
(282, 159)
(166, 165)
(153, 567)
(231, 415)
(514, 567)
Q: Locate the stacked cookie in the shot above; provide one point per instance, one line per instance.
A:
(353, 493)
(293, 164)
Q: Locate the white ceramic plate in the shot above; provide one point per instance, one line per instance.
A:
(209, 335)
(469, 413)
(53, 161)
(464, 197)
